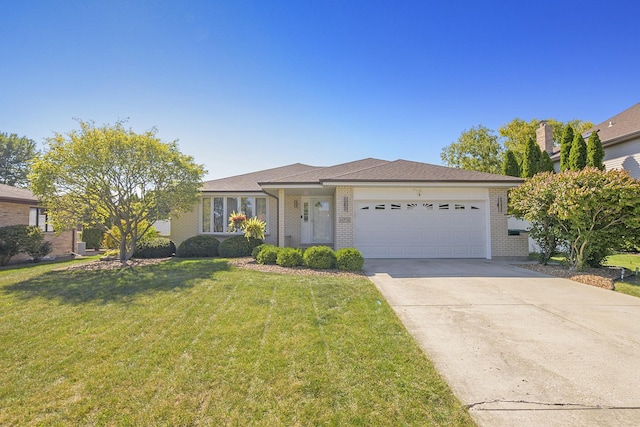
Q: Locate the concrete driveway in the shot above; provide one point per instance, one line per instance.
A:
(518, 347)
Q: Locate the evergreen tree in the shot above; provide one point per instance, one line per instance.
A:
(578, 153)
(510, 165)
(565, 148)
(595, 152)
(545, 164)
(530, 160)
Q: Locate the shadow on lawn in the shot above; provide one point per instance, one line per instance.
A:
(123, 285)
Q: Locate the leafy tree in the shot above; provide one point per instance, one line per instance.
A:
(588, 211)
(565, 148)
(517, 132)
(533, 201)
(595, 152)
(531, 159)
(15, 154)
(578, 153)
(510, 165)
(545, 164)
(112, 175)
(477, 149)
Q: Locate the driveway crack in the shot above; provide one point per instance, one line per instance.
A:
(543, 406)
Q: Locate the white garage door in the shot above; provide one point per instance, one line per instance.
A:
(432, 229)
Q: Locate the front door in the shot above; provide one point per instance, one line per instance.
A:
(317, 223)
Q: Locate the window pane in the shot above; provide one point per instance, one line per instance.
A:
(247, 206)
(33, 216)
(206, 214)
(232, 205)
(261, 208)
(218, 215)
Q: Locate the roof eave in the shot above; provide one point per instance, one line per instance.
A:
(429, 183)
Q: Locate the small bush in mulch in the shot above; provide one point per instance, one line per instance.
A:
(289, 257)
(159, 247)
(237, 246)
(349, 259)
(267, 255)
(198, 246)
(321, 257)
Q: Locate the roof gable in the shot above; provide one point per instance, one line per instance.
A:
(324, 173)
(249, 182)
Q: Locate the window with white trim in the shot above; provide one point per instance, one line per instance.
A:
(38, 217)
(217, 209)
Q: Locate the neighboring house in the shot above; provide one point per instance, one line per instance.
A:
(20, 206)
(620, 136)
(397, 209)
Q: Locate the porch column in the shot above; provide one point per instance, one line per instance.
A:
(281, 217)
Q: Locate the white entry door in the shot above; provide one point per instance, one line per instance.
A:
(317, 222)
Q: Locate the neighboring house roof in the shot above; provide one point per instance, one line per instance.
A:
(366, 170)
(617, 129)
(620, 127)
(16, 195)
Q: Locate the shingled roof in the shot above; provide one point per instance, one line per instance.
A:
(620, 127)
(16, 195)
(366, 170)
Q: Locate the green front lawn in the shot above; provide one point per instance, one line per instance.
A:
(630, 285)
(195, 342)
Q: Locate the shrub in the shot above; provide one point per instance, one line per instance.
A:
(349, 259)
(268, 254)
(111, 239)
(39, 250)
(257, 249)
(289, 257)
(198, 246)
(237, 246)
(160, 247)
(15, 239)
(320, 257)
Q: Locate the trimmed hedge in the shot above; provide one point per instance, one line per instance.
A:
(319, 257)
(237, 246)
(349, 259)
(159, 247)
(257, 249)
(289, 257)
(198, 247)
(268, 254)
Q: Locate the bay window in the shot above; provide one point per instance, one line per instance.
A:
(217, 209)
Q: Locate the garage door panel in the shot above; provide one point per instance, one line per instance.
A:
(452, 229)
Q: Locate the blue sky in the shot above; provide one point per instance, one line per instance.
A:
(250, 85)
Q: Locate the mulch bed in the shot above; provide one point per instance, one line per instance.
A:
(247, 263)
(603, 277)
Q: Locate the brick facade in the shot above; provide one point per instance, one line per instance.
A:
(344, 218)
(504, 246)
(13, 213)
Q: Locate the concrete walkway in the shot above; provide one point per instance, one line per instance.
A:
(518, 347)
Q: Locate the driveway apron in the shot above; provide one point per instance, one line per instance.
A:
(518, 347)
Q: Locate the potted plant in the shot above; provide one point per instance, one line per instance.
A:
(236, 221)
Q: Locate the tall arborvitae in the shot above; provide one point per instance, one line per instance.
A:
(595, 152)
(510, 165)
(578, 153)
(530, 159)
(545, 164)
(565, 148)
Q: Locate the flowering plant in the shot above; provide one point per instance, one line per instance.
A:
(236, 221)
